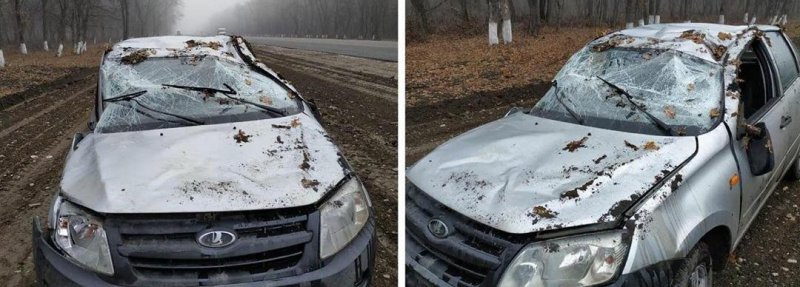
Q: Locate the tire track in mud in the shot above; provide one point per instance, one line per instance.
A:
(364, 125)
(365, 84)
(31, 160)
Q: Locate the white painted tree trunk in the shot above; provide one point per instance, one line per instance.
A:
(774, 20)
(493, 40)
(721, 19)
(658, 19)
(507, 35)
(60, 50)
(785, 20)
(641, 22)
(628, 25)
(746, 17)
(2, 59)
(46, 47)
(651, 19)
(753, 21)
(23, 49)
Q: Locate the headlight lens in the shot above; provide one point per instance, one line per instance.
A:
(575, 261)
(81, 235)
(342, 217)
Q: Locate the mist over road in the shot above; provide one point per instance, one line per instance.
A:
(379, 50)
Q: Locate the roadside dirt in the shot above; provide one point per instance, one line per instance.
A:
(359, 108)
(37, 121)
(35, 135)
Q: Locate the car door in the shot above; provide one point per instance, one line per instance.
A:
(786, 61)
(762, 105)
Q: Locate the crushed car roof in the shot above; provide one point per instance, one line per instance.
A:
(138, 49)
(705, 41)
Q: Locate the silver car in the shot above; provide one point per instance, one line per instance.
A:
(203, 167)
(644, 164)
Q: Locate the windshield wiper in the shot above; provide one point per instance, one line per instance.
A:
(560, 101)
(133, 99)
(228, 93)
(126, 97)
(660, 124)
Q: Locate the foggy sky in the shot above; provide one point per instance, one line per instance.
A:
(197, 13)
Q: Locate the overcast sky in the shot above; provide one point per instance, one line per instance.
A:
(196, 13)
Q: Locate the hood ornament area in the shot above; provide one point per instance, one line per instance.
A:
(438, 228)
(216, 238)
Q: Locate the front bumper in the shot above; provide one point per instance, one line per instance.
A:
(352, 266)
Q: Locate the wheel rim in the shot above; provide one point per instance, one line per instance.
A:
(699, 277)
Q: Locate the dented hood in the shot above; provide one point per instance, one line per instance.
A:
(284, 162)
(518, 175)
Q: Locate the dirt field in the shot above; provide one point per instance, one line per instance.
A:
(37, 121)
(442, 106)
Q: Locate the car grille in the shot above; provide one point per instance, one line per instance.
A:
(471, 255)
(164, 249)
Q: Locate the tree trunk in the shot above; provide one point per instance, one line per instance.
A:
(533, 19)
(464, 10)
(20, 26)
(44, 21)
(419, 6)
(124, 8)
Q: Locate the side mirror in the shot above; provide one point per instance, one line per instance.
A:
(314, 109)
(512, 111)
(77, 138)
(759, 149)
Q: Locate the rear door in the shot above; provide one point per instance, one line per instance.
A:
(785, 57)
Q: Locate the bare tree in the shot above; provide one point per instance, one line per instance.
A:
(123, 4)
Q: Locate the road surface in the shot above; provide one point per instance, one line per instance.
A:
(379, 50)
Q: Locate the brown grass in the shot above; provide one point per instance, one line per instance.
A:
(449, 66)
(38, 67)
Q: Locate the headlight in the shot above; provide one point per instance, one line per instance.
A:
(574, 261)
(81, 235)
(342, 217)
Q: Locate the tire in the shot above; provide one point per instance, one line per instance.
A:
(696, 271)
(794, 171)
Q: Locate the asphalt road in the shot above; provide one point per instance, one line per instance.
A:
(379, 50)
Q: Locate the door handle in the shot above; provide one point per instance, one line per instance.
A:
(785, 121)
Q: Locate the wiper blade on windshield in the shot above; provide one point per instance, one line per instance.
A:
(129, 99)
(664, 127)
(569, 110)
(126, 97)
(228, 93)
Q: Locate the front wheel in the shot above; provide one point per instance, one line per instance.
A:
(696, 270)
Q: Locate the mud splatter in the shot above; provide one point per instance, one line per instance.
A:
(544, 212)
(574, 193)
(599, 159)
(574, 145)
(281, 126)
(307, 183)
(676, 182)
(136, 57)
(241, 137)
(632, 146)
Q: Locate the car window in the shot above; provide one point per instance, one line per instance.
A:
(163, 107)
(681, 90)
(784, 59)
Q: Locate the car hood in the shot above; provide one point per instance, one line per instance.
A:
(519, 175)
(273, 163)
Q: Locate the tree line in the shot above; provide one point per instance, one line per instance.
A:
(35, 23)
(443, 16)
(342, 19)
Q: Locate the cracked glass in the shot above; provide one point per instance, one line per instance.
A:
(683, 91)
(165, 107)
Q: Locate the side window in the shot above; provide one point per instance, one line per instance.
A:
(784, 59)
(758, 84)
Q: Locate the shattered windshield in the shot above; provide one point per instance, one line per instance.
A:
(157, 93)
(682, 91)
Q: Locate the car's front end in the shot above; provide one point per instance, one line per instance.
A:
(281, 247)
(203, 168)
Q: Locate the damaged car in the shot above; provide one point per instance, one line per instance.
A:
(203, 167)
(643, 165)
